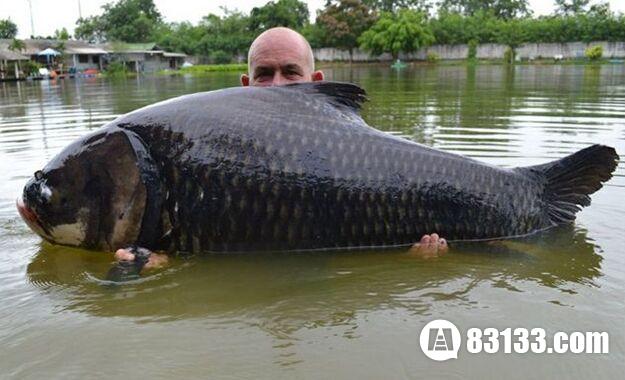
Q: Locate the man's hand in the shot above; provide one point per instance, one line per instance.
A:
(429, 246)
(156, 260)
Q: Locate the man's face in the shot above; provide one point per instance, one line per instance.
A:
(278, 59)
(276, 72)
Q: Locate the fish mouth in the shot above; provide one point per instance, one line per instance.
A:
(30, 217)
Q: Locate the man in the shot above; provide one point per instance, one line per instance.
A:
(277, 57)
(280, 56)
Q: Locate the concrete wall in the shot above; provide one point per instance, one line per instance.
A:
(484, 51)
(143, 62)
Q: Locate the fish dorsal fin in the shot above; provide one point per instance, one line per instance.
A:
(342, 95)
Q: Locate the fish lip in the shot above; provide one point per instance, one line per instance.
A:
(30, 216)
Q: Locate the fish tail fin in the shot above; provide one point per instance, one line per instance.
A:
(570, 180)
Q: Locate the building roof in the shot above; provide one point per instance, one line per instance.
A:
(180, 55)
(124, 47)
(8, 55)
(34, 46)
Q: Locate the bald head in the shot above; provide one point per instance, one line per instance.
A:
(280, 56)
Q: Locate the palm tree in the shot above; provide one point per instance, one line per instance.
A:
(17, 45)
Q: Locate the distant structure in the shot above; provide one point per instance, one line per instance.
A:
(78, 56)
(144, 57)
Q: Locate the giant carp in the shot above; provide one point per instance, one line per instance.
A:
(287, 168)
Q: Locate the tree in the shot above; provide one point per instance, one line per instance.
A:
(571, 7)
(8, 29)
(229, 34)
(90, 29)
(343, 22)
(126, 20)
(505, 9)
(182, 37)
(395, 5)
(62, 34)
(406, 31)
(511, 34)
(289, 13)
(315, 35)
(17, 45)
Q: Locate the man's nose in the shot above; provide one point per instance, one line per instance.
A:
(279, 79)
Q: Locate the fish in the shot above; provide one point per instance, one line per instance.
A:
(287, 168)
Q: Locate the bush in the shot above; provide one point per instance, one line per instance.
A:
(472, 49)
(594, 52)
(220, 57)
(31, 68)
(432, 57)
(116, 69)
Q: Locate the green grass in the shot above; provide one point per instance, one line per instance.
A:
(202, 69)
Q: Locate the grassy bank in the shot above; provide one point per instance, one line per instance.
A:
(204, 69)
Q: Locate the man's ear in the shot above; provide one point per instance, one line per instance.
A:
(317, 76)
(245, 80)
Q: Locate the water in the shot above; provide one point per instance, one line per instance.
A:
(355, 315)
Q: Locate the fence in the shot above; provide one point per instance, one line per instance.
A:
(566, 50)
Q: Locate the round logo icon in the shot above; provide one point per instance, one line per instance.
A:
(440, 340)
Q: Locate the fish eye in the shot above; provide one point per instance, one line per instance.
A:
(38, 175)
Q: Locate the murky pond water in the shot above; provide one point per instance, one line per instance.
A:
(330, 315)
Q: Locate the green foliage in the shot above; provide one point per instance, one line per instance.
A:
(17, 45)
(116, 69)
(395, 5)
(511, 33)
(344, 24)
(60, 47)
(125, 20)
(454, 28)
(289, 13)
(202, 69)
(594, 53)
(501, 9)
(343, 21)
(597, 25)
(220, 57)
(62, 34)
(179, 37)
(31, 67)
(508, 55)
(8, 29)
(315, 35)
(472, 53)
(90, 29)
(571, 7)
(432, 57)
(406, 31)
(229, 33)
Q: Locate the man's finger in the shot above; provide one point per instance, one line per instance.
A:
(124, 255)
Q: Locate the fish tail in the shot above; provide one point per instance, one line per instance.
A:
(570, 180)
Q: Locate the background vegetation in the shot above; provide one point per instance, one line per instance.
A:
(376, 25)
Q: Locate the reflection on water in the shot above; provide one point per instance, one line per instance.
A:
(296, 290)
(348, 315)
